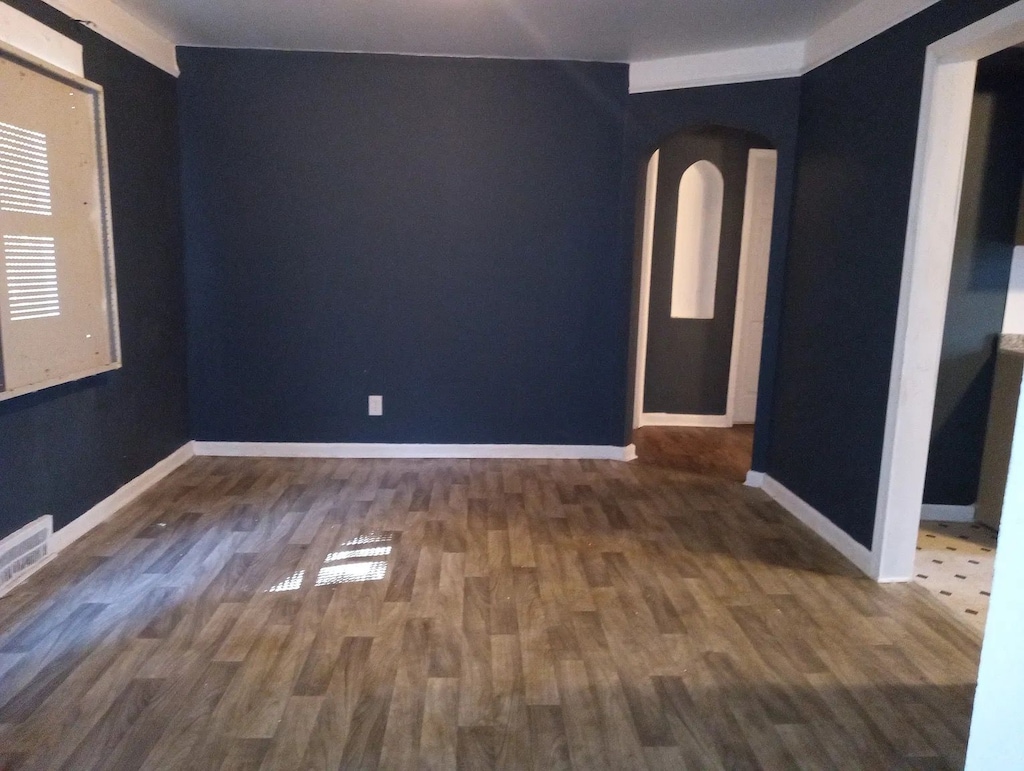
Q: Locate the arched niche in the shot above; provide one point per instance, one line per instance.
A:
(698, 238)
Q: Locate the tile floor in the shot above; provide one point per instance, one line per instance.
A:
(955, 562)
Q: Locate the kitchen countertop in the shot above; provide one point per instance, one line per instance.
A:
(1014, 343)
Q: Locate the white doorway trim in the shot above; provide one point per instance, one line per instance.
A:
(752, 285)
(685, 421)
(947, 97)
(747, 263)
(646, 261)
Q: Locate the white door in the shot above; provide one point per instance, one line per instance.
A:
(753, 284)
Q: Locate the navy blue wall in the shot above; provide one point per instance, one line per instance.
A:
(64, 449)
(858, 131)
(445, 232)
(770, 109)
(986, 236)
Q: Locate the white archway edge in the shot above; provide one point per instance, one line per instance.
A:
(947, 98)
(646, 262)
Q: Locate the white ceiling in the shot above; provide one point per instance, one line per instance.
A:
(598, 30)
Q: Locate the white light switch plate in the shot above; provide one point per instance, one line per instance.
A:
(376, 406)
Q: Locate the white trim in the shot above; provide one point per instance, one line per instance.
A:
(415, 451)
(24, 33)
(946, 103)
(822, 526)
(747, 266)
(937, 512)
(5, 395)
(739, 65)
(629, 453)
(859, 24)
(129, 32)
(646, 262)
(755, 479)
(685, 421)
(109, 506)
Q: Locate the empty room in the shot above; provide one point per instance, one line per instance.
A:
(527, 384)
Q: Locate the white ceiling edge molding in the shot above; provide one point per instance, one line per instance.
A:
(116, 24)
(21, 31)
(786, 60)
(739, 65)
(783, 60)
(858, 25)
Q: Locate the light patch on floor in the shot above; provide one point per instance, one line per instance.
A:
(955, 561)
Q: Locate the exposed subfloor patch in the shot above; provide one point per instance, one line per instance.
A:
(723, 453)
(955, 561)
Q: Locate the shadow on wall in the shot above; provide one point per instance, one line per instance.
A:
(957, 426)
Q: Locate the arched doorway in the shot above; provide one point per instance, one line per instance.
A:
(708, 207)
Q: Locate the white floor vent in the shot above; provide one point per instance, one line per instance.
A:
(22, 551)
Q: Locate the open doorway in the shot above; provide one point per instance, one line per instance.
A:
(948, 97)
(981, 361)
(708, 207)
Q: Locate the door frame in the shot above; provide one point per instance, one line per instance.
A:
(641, 418)
(946, 104)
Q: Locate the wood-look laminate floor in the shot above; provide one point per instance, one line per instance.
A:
(724, 453)
(283, 614)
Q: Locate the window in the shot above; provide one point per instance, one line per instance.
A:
(698, 236)
(57, 301)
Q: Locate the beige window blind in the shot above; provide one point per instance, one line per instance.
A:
(58, 307)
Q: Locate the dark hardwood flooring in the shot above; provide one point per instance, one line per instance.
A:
(285, 614)
(724, 453)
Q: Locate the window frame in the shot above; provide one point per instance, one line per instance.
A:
(103, 209)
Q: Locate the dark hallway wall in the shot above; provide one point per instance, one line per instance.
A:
(688, 360)
(444, 232)
(858, 135)
(986, 237)
(64, 449)
(769, 109)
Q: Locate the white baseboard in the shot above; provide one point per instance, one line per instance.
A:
(685, 421)
(937, 512)
(422, 451)
(755, 479)
(837, 538)
(109, 506)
